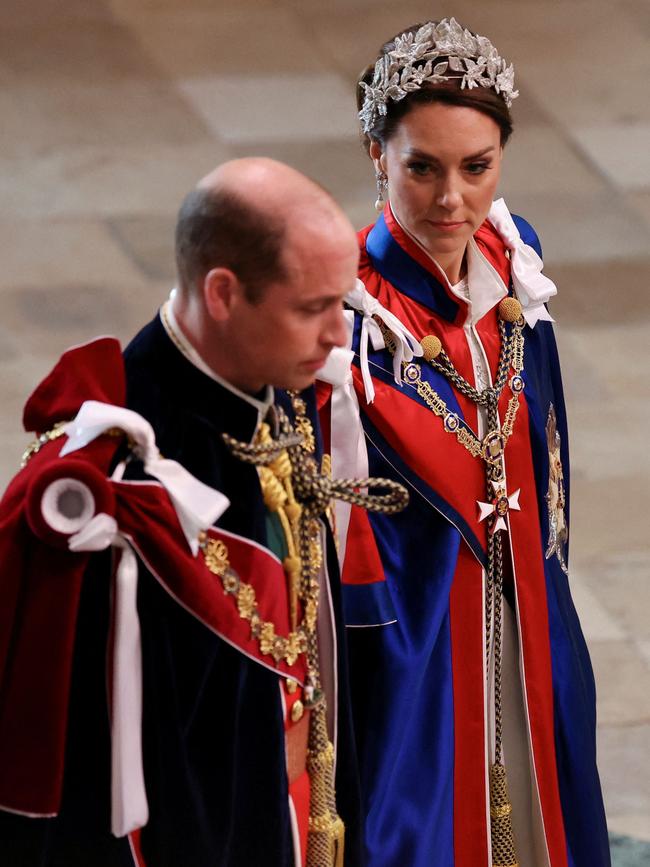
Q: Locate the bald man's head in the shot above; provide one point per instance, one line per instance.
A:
(265, 258)
(241, 217)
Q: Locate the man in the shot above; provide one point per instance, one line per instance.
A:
(264, 259)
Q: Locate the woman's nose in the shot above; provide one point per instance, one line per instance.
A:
(449, 197)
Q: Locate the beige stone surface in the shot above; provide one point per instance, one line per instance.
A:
(620, 150)
(639, 202)
(57, 115)
(249, 108)
(117, 179)
(628, 800)
(188, 40)
(111, 109)
(540, 160)
(626, 700)
(51, 252)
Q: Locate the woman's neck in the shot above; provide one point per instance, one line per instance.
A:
(453, 266)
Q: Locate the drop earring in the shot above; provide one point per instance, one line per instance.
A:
(382, 190)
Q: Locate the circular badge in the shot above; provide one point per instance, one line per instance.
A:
(493, 446)
(517, 384)
(412, 373)
(451, 422)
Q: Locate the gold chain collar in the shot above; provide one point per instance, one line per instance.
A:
(492, 446)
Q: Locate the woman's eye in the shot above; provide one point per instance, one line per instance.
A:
(477, 168)
(419, 168)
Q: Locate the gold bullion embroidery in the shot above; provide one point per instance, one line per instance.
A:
(215, 555)
(558, 531)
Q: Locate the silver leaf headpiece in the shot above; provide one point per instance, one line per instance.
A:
(412, 63)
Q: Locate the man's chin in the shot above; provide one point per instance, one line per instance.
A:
(299, 381)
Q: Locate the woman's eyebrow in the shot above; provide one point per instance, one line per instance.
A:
(478, 154)
(423, 155)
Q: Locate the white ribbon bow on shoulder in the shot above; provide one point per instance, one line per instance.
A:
(197, 507)
(406, 344)
(349, 451)
(533, 289)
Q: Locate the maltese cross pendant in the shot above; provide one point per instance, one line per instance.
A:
(499, 507)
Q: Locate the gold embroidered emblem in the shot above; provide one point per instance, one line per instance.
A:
(302, 424)
(558, 531)
(246, 601)
(216, 556)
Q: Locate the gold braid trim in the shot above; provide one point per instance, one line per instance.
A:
(54, 434)
(503, 846)
(34, 447)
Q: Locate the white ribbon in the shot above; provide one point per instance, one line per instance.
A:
(129, 808)
(348, 443)
(349, 450)
(100, 532)
(406, 344)
(533, 288)
(197, 505)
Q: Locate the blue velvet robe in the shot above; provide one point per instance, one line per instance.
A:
(213, 730)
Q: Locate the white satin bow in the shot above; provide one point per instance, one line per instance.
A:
(533, 288)
(197, 505)
(406, 344)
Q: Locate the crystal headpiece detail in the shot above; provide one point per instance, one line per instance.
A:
(412, 63)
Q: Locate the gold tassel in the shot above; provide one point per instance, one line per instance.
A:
(503, 842)
(325, 841)
(338, 832)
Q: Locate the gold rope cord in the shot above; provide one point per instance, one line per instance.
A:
(501, 832)
(511, 354)
(295, 489)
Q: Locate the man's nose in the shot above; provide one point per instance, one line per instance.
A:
(335, 332)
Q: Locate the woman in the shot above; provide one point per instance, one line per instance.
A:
(473, 694)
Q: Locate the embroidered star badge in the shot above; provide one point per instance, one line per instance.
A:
(500, 506)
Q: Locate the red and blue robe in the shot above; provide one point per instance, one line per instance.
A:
(413, 590)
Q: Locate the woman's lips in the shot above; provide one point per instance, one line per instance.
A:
(446, 226)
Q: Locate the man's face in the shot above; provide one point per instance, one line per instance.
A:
(286, 337)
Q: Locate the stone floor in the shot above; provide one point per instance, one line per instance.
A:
(111, 109)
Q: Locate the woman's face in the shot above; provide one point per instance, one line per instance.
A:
(443, 164)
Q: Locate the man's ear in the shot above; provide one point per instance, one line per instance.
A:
(376, 155)
(220, 290)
